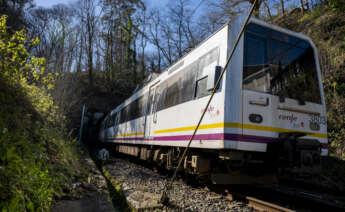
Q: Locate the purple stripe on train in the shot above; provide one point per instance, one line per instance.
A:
(214, 136)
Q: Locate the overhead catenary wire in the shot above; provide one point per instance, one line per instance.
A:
(164, 198)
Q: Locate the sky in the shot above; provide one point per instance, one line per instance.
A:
(149, 3)
(49, 3)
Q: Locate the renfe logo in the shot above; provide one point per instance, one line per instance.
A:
(290, 118)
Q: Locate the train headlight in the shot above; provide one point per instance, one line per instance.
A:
(256, 118)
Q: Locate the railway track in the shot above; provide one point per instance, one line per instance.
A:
(265, 206)
(253, 202)
(135, 178)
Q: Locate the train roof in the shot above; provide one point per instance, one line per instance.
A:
(177, 64)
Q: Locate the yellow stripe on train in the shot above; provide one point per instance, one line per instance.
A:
(130, 134)
(239, 125)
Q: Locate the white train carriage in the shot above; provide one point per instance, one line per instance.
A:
(271, 91)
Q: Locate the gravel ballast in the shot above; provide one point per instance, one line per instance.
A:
(143, 187)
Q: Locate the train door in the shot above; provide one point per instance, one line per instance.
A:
(116, 124)
(106, 124)
(150, 111)
(258, 110)
(110, 126)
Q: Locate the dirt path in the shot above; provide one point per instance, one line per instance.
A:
(95, 202)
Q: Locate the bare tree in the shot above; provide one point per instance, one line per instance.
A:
(155, 23)
(121, 32)
(53, 26)
(174, 33)
(81, 42)
(89, 19)
(301, 6)
(143, 41)
(268, 8)
(282, 6)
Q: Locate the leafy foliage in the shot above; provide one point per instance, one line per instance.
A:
(326, 27)
(337, 5)
(35, 157)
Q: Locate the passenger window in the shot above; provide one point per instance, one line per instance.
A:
(201, 88)
(111, 121)
(209, 59)
(117, 118)
(188, 83)
(105, 125)
(173, 94)
(124, 114)
(161, 99)
(149, 107)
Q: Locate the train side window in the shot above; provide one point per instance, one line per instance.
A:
(201, 88)
(162, 94)
(111, 121)
(146, 107)
(107, 122)
(173, 95)
(105, 125)
(127, 112)
(102, 126)
(141, 106)
(123, 114)
(155, 104)
(133, 110)
(117, 119)
(188, 82)
(204, 63)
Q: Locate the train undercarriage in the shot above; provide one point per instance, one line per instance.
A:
(292, 158)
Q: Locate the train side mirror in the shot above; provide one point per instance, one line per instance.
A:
(213, 76)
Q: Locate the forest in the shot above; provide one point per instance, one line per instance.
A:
(55, 59)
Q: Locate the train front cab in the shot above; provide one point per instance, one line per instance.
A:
(274, 99)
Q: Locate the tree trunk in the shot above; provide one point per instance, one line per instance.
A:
(80, 52)
(63, 48)
(268, 9)
(301, 6)
(90, 64)
(89, 53)
(283, 6)
(307, 4)
(159, 61)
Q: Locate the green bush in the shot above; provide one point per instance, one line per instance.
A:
(36, 159)
(337, 5)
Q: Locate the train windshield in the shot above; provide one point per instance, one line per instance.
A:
(279, 64)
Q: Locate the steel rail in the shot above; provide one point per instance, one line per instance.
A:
(261, 205)
(164, 198)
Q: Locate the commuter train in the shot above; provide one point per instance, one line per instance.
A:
(269, 110)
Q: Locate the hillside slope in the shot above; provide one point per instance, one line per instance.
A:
(38, 160)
